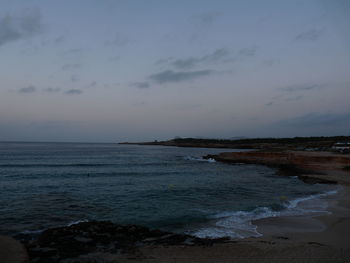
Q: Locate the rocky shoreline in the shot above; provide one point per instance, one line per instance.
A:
(311, 167)
(104, 241)
(94, 241)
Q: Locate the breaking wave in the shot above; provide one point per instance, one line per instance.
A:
(238, 224)
(199, 159)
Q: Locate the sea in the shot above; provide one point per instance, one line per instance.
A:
(45, 185)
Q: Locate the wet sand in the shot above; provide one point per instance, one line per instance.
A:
(331, 229)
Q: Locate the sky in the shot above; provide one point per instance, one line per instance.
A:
(137, 70)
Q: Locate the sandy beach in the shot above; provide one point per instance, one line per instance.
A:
(324, 238)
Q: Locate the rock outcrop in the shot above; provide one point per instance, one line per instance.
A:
(94, 240)
(312, 167)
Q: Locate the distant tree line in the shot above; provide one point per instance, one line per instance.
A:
(331, 139)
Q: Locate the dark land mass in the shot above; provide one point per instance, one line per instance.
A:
(296, 143)
(311, 167)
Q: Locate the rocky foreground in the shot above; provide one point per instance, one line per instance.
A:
(95, 241)
(105, 242)
(311, 167)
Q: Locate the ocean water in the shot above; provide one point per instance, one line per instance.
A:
(46, 185)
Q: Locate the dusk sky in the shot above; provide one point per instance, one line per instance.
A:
(136, 70)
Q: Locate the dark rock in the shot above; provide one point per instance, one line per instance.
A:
(83, 239)
(282, 237)
(73, 242)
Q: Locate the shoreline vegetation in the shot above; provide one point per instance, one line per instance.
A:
(270, 144)
(324, 238)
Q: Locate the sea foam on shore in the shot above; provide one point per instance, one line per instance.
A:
(238, 224)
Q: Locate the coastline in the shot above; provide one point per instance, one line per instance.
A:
(320, 238)
(311, 167)
(275, 144)
(323, 238)
(304, 238)
(331, 229)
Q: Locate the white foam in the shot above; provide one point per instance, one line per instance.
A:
(294, 203)
(31, 232)
(215, 232)
(77, 222)
(35, 232)
(238, 224)
(199, 159)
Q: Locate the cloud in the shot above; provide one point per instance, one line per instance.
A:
(71, 66)
(216, 56)
(119, 40)
(54, 41)
(179, 76)
(316, 120)
(221, 55)
(270, 62)
(74, 92)
(310, 35)
(186, 63)
(59, 40)
(303, 87)
(92, 84)
(206, 19)
(14, 28)
(202, 24)
(52, 90)
(294, 92)
(76, 52)
(243, 53)
(247, 52)
(296, 98)
(74, 78)
(164, 60)
(140, 85)
(29, 89)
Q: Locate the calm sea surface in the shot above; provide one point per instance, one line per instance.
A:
(45, 185)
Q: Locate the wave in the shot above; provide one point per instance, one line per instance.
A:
(238, 224)
(199, 159)
(294, 203)
(55, 165)
(41, 165)
(33, 233)
(77, 222)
